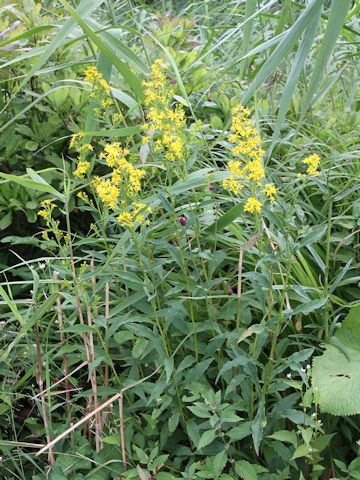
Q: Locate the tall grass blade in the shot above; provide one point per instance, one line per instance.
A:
(338, 13)
(283, 49)
(132, 80)
(297, 67)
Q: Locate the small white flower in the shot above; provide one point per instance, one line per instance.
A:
(288, 375)
(308, 367)
(313, 414)
(303, 370)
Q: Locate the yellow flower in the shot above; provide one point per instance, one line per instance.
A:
(312, 162)
(126, 219)
(233, 185)
(253, 205)
(254, 170)
(270, 191)
(81, 169)
(86, 147)
(166, 124)
(92, 75)
(107, 192)
(83, 196)
(75, 138)
(244, 135)
(47, 208)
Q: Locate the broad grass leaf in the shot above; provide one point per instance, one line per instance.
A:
(131, 79)
(225, 219)
(335, 23)
(35, 183)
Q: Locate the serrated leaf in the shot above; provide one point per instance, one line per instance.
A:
(219, 462)
(174, 421)
(245, 470)
(206, 438)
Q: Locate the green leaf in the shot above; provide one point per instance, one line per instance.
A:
(219, 462)
(308, 307)
(241, 431)
(35, 183)
(301, 451)
(245, 470)
(6, 220)
(139, 347)
(336, 376)
(297, 66)
(112, 439)
(206, 438)
(285, 436)
(174, 421)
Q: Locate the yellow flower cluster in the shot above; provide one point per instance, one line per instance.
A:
(81, 169)
(248, 169)
(101, 89)
(47, 208)
(165, 125)
(244, 136)
(76, 139)
(107, 191)
(252, 205)
(312, 162)
(128, 218)
(119, 190)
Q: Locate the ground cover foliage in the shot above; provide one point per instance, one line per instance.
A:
(180, 240)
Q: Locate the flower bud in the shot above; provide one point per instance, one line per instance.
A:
(182, 220)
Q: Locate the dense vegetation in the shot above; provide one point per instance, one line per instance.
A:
(179, 195)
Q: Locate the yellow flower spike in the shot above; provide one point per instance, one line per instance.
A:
(75, 139)
(81, 169)
(312, 162)
(126, 219)
(83, 196)
(270, 191)
(252, 205)
(107, 192)
(87, 147)
(233, 185)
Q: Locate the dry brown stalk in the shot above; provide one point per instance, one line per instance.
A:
(106, 368)
(41, 388)
(62, 340)
(87, 417)
(98, 429)
(61, 380)
(122, 431)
